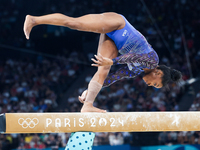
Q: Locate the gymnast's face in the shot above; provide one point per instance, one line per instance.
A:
(153, 78)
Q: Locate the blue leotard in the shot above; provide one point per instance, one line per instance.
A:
(135, 51)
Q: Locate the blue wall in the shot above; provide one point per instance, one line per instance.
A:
(173, 147)
(103, 147)
(121, 147)
(108, 147)
(128, 147)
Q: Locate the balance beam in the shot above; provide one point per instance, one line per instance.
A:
(99, 122)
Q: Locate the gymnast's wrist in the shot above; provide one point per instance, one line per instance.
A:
(113, 62)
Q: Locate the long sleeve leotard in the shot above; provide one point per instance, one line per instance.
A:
(135, 51)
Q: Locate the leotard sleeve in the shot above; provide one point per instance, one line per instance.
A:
(149, 60)
(121, 73)
(135, 65)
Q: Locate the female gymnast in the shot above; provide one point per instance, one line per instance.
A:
(116, 35)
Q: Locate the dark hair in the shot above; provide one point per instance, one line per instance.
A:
(169, 75)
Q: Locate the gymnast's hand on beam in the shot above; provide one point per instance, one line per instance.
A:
(101, 61)
(83, 96)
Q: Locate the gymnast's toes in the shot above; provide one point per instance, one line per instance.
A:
(89, 108)
(28, 25)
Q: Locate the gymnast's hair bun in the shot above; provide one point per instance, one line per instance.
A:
(175, 75)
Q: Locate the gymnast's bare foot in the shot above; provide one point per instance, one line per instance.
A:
(28, 25)
(88, 107)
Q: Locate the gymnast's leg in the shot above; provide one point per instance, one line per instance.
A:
(107, 49)
(98, 23)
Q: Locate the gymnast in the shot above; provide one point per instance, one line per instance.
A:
(117, 35)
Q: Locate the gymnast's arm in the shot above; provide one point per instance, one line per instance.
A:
(120, 74)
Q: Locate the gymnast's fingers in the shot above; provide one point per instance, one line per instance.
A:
(96, 65)
(80, 99)
(97, 62)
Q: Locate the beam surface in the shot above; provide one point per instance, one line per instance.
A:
(102, 122)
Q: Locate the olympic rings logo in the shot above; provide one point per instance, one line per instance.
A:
(25, 123)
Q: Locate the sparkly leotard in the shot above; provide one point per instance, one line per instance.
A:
(135, 51)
